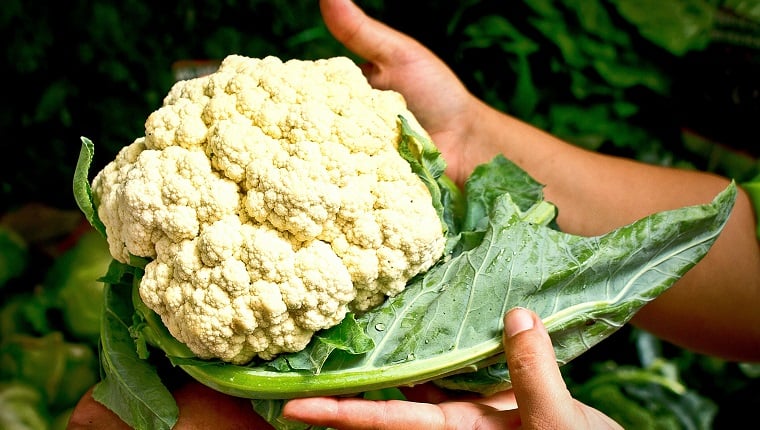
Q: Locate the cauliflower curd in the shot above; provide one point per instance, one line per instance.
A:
(271, 199)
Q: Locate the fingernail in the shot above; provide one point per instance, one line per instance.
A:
(517, 321)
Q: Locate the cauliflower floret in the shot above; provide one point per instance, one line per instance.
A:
(236, 282)
(145, 195)
(271, 199)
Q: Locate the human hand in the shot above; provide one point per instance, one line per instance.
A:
(438, 99)
(200, 407)
(539, 399)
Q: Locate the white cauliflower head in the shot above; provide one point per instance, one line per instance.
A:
(271, 200)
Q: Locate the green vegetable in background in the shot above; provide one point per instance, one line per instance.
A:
(677, 25)
(69, 293)
(21, 406)
(447, 322)
(645, 398)
(13, 255)
(61, 370)
(15, 315)
(50, 318)
(752, 187)
(73, 281)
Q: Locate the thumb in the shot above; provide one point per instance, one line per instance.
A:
(364, 36)
(543, 400)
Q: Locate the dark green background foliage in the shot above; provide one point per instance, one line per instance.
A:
(669, 82)
(579, 68)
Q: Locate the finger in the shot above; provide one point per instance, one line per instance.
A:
(91, 414)
(504, 400)
(427, 392)
(201, 407)
(359, 414)
(541, 394)
(364, 36)
(430, 393)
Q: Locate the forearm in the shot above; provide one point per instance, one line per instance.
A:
(713, 308)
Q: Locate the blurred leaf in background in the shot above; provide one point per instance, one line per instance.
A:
(61, 370)
(611, 77)
(73, 287)
(49, 315)
(22, 407)
(13, 255)
(98, 68)
(678, 26)
(646, 397)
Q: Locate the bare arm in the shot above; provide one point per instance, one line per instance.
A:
(713, 309)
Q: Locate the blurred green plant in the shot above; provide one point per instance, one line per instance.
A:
(618, 76)
(671, 83)
(73, 287)
(49, 322)
(22, 407)
(96, 68)
(649, 397)
(62, 371)
(13, 255)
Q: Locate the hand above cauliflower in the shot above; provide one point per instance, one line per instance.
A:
(271, 199)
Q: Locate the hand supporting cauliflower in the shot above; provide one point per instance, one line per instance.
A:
(271, 200)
